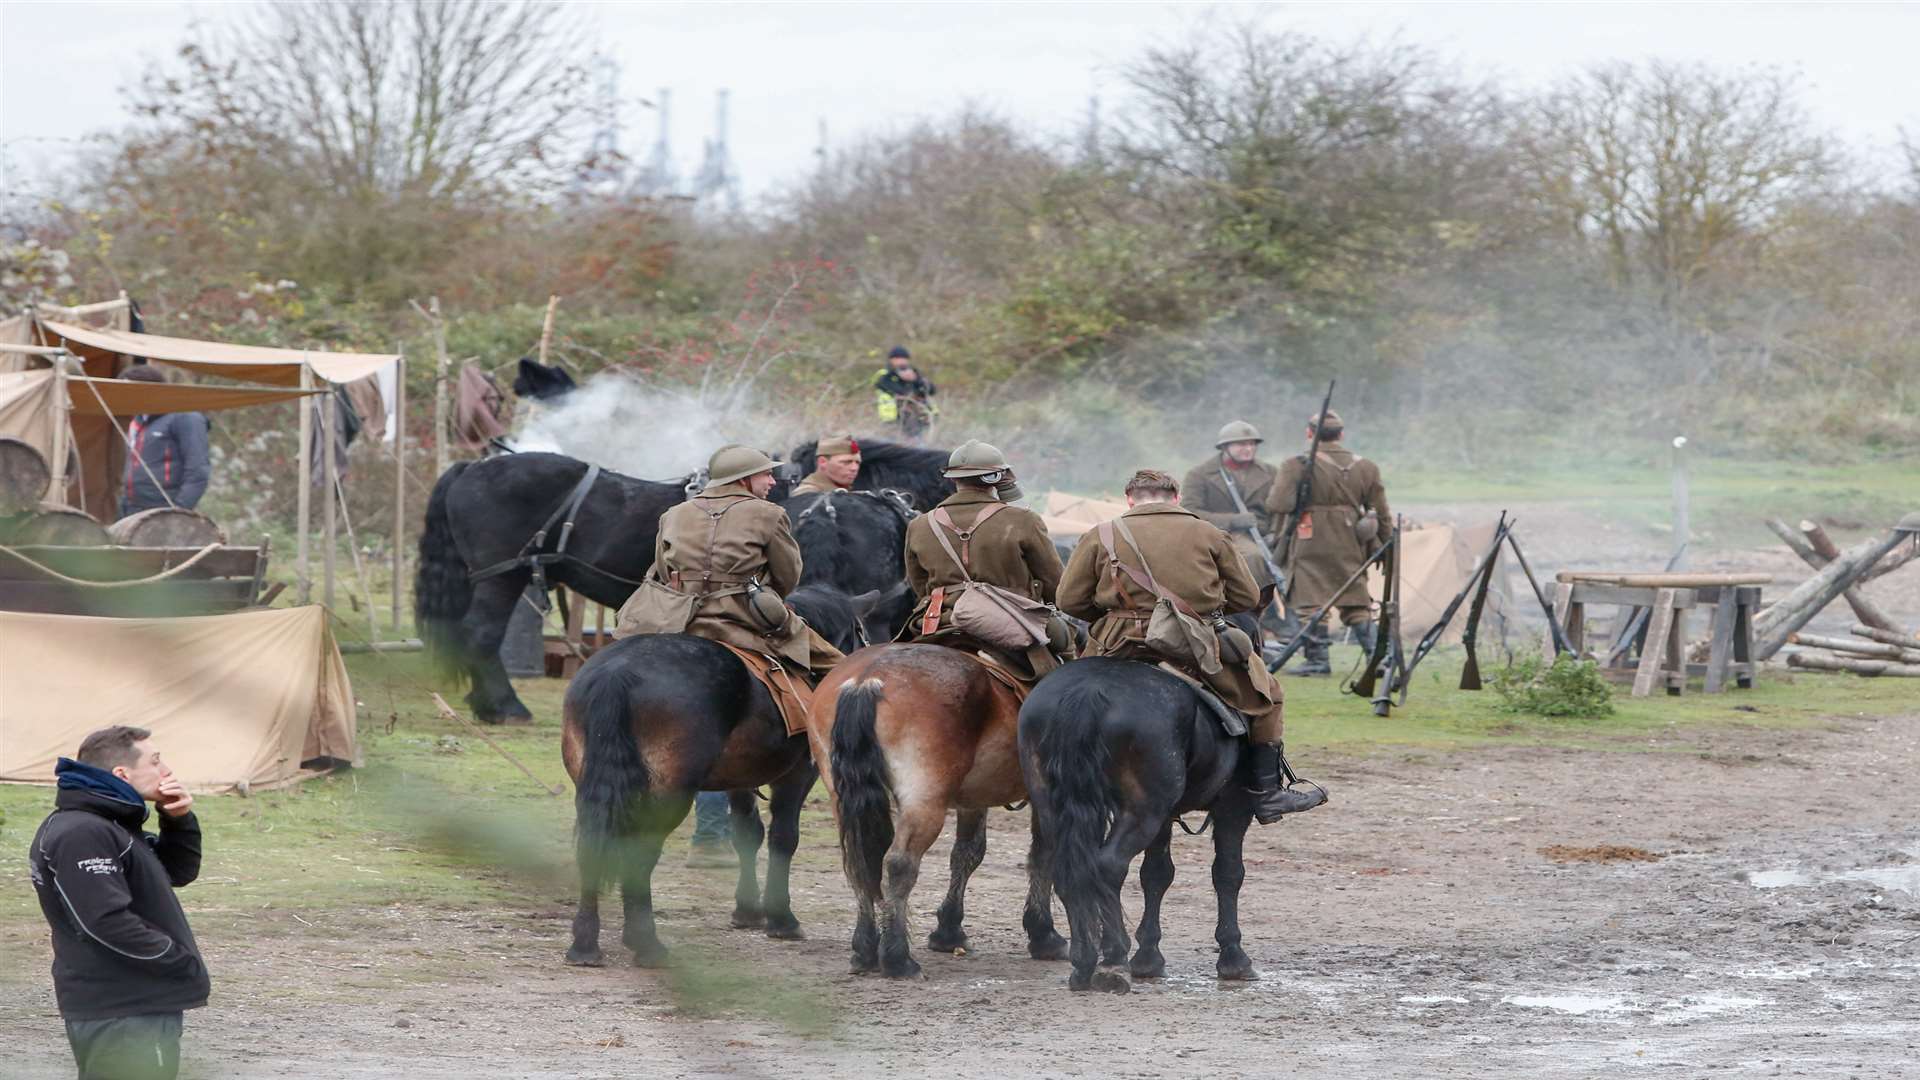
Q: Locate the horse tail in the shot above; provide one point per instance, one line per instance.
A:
(441, 589)
(861, 785)
(612, 772)
(1073, 762)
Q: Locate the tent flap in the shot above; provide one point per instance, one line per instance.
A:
(231, 699)
(248, 363)
(126, 397)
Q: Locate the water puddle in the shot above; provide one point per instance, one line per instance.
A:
(1904, 878)
(1432, 999)
(1574, 1004)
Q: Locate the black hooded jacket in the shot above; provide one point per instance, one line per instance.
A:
(121, 944)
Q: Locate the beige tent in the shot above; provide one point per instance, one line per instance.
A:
(254, 699)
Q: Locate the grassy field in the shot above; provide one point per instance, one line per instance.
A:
(437, 817)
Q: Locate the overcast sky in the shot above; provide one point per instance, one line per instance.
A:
(864, 68)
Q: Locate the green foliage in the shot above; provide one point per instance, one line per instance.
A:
(1566, 687)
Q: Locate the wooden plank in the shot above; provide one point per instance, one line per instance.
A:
(1659, 631)
(1624, 596)
(1720, 651)
(1675, 666)
(1677, 580)
(1745, 667)
(1562, 607)
(160, 599)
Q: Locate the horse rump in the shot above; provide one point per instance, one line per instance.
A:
(861, 786)
(613, 775)
(442, 589)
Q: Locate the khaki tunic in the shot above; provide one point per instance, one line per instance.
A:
(1206, 494)
(1012, 550)
(711, 546)
(1190, 559)
(816, 483)
(1345, 486)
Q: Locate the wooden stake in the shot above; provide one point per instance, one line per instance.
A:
(1682, 516)
(440, 387)
(306, 487)
(399, 481)
(329, 511)
(447, 711)
(546, 329)
(1864, 609)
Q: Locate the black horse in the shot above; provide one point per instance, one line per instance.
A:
(650, 720)
(483, 514)
(1113, 751)
(856, 542)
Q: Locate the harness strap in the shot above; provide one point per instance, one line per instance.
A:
(1142, 577)
(943, 524)
(530, 553)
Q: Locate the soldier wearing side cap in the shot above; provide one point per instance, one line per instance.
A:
(836, 465)
(1346, 524)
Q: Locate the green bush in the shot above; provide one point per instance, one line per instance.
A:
(1566, 687)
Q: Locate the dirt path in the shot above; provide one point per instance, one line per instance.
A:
(1412, 929)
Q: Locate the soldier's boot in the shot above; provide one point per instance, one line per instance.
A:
(1271, 801)
(1364, 633)
(1314, 659)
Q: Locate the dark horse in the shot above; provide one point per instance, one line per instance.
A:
(856, 542)
(1113, 751)
(650, 720)
(482, 514)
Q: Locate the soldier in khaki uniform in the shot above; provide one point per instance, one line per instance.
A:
(1199, 564)
(1207, 493)
(1003, 545)
(1327, 549)
(714, 553)
(836, 465)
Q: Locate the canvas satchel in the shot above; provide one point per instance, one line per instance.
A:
(655, 608)
(1174, 629)
(988, 613)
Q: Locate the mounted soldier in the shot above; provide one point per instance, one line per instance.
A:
(975, 538)
(1165, 554)
(1346, 523)
(723, 564)
(836, 466)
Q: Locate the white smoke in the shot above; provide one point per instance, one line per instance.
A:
(617, 422)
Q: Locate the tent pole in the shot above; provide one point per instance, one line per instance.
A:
(329, 514)
(62, 432)
(306, 485)
(439, 391)
(399, 480)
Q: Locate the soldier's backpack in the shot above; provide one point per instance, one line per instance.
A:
(988, 613)
(1174, 630)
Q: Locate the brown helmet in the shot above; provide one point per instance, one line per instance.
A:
(974, 458)
(1237, 431)
(736, 462)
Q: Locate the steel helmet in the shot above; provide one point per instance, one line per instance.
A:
(735, 462)
(1237, 431)
(975, 458)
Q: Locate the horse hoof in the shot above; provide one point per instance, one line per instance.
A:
(1148, 966)
(786, 932)
(1052, 947)
(1110, 982)
(1113, 959)
(655, 957)
(586, 958)
(906, 969)
(863, 967)
(946, 943)
(1241, 972)
(749, 920)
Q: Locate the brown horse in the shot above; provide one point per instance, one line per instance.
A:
(902, 733)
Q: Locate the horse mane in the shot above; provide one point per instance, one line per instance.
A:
(818, 533)
(829, 611)
(913, 469)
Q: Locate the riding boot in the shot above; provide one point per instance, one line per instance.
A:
(1270, 800)
(1314, 653)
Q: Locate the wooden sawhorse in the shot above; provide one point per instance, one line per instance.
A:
(1666, 600)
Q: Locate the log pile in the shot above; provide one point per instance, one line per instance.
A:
(1871, 652)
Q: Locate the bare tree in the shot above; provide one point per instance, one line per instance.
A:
(419, 98)
(1670, 167)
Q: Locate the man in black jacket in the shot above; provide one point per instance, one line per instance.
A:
(904, 396)
(125, 965)
(169, 463)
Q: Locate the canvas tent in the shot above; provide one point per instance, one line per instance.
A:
(253, 699)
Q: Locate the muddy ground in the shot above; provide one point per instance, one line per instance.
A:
(1412, 929)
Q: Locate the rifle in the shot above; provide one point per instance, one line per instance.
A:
(1432, 638)
(1303, 488)
(1560, 642)
(1470, 672)
(1387, 657)
(1300, 638)
(1260, 542)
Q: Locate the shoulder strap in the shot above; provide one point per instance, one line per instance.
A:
(1142, 577)
(943, 524)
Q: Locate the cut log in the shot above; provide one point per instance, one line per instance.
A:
(1791, 537)
(1891, 563)
(1905, 641)
(1798, 607)
(1680, 580)
(1875, 649)
(24, 477)
(166, 526)
(1864, 609)
(59, 526)
(1870, 668)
